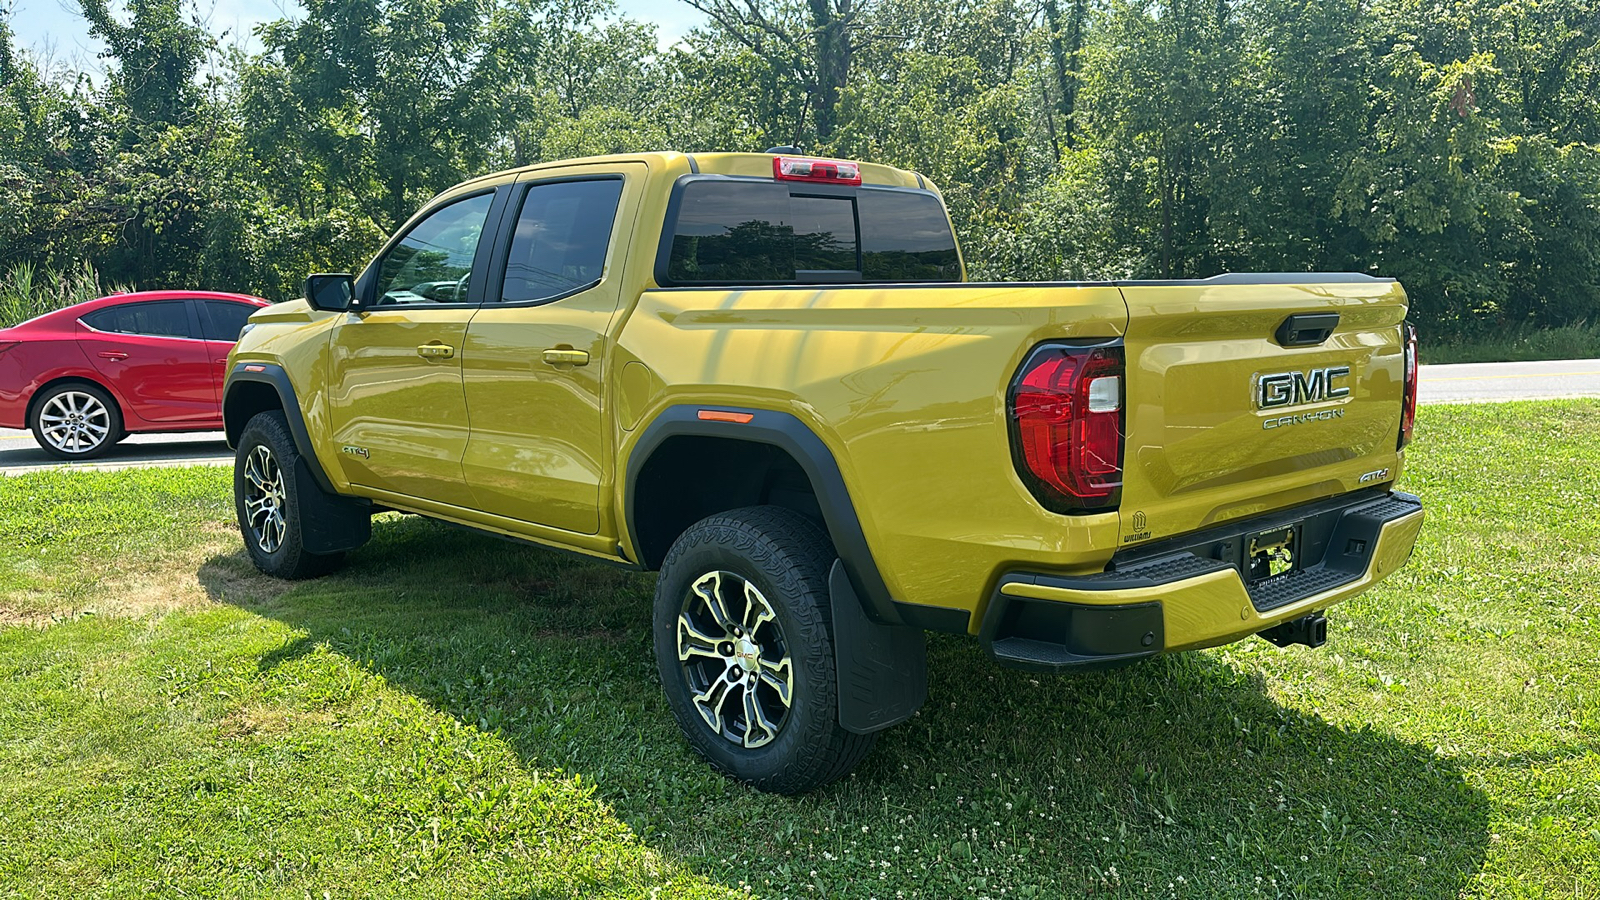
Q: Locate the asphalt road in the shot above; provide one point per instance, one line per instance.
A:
(19, 453)
(1464, 383)
(1493, 382)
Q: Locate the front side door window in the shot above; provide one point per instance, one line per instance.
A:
(433, 263)
(222, 321)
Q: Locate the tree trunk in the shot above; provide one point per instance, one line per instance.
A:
(1066, 44)
(831, 31)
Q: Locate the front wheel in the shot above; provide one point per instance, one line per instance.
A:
(267, 497)
(744, 646)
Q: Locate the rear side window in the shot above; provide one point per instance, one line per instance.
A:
(908, 239)
(224, 319)
(757, 232)
(560, 243)
(161, 318)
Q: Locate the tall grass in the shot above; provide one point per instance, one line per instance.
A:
(1579, 340)
(26, 292)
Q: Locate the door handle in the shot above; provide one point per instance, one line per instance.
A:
(559, 356)
(436, 351)
(113, 354)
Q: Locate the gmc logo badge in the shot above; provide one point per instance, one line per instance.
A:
(1282, 389)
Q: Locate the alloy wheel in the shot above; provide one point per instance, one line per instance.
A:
(735, 659)
(75, 422)
(264, 499)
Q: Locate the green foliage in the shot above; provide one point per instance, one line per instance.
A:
(1454, 144)
(1579, 341)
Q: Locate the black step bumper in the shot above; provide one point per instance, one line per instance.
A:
(1190, 592)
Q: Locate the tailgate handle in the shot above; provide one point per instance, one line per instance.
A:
(1307, 329)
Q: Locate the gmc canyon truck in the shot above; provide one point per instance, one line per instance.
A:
(764, 376)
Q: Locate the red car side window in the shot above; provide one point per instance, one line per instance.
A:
(162, 318)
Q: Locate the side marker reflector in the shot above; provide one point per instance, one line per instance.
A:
(723, 415)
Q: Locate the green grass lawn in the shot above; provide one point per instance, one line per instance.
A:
(452, 715)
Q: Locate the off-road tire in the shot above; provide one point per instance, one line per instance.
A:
(109, 417)
(284, 556)
(786, 557)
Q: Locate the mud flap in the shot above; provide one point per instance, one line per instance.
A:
(882, 669)
(329, 523)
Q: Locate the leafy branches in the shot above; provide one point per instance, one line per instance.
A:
(1454, 144)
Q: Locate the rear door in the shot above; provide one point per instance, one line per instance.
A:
(1230, 415)
(536, 356)
(153, 354)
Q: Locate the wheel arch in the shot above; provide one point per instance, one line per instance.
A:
(254, 388)
(74, 378)
(683, 468)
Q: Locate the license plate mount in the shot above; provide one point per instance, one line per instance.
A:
(1273, 554)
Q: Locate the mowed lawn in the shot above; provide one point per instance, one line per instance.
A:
(456, 716)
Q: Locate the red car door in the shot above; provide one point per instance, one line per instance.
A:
(153, 354)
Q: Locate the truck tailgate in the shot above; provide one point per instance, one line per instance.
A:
(1224, 421)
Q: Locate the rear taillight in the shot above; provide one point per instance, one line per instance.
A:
(820, 171)
(1066, 426)
(1408, 409)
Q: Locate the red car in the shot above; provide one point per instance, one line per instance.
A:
(85, 377)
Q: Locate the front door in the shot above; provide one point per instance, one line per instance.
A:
(394, 365)
(536, 351)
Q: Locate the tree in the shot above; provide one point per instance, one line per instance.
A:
(1162, 91)
(1066, 48)
(812, 46)
(375, 100)
(157, 56)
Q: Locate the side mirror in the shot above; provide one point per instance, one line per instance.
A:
(331, 293)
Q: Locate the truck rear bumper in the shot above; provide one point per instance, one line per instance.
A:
(1189, 593)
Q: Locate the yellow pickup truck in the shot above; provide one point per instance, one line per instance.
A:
(764, 376)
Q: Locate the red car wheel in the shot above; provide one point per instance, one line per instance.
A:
(76, 421)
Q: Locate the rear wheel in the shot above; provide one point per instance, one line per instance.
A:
(76, 421)
(744, 646)
(267, 491)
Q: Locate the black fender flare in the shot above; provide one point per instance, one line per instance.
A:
(273, 375)
(791, 435)
(332, 523)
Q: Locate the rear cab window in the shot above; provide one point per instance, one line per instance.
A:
(726, 230)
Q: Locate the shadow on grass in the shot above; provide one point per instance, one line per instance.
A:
(1180, 771)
